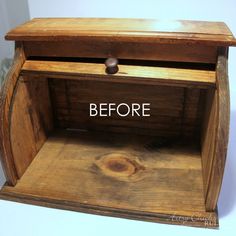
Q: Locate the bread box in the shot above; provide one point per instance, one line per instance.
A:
(165, 166)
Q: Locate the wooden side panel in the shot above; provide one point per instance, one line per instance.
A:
(71, 107)
(31, 121)
(208, 141)
(222, 131)
(6, 95)
(122, 50)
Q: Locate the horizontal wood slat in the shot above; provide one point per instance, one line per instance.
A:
(126, 50)
(88, 71)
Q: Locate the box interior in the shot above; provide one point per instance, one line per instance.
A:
(152, 164)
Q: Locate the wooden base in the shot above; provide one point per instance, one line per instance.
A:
(136, 177)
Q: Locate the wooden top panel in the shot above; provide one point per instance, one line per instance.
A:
(53, 29)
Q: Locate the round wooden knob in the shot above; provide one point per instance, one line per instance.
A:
(111, 65)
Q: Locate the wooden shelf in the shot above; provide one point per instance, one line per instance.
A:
(127, 73)
(115, 174)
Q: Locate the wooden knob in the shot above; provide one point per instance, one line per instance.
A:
(111, 65)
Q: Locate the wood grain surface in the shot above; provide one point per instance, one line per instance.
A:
(146, 74)
(174, 111)
(208, 138)
(6, 96)
(222, 130)
(167, 167)
(31, 121)
(211, 33)
(127, 50)
(130, 173)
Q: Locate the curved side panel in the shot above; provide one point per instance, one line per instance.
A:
(222, 131)
(6, 95)
(31, 120)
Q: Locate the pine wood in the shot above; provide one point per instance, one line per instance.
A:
(169, 116)
(31, 121)
(92, 170)
(208, 141)
(222, 131)
(215, 137)
(164, 168)
(136, 74)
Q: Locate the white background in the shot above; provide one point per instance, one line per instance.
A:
(20, 219)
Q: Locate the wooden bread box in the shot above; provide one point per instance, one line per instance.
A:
(164, 167)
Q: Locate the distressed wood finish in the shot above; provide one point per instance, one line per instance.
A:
(6, 97)
(166, 167)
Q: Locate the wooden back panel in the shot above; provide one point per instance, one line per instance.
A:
(175, 111)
